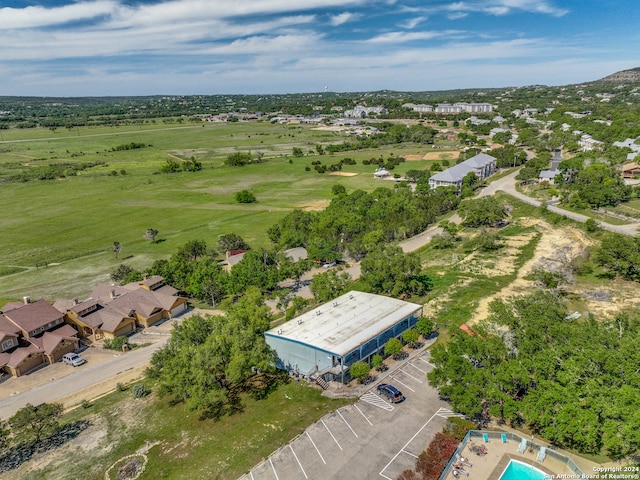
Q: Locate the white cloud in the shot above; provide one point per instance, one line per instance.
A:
(341, 18)
(37, 16)
(412, 22)
(401, 37)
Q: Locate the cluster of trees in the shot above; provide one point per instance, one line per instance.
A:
(620, 256)
(174, 166)
(129, 146)
(195, 270)
(593, 186)
(357, 223)
(572, 381)
(52, 171)
(238, 159)
(210, 362)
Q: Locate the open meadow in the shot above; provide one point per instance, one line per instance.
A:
(58, 233)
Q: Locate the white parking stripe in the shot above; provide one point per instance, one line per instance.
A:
(251, 474)
(430, 364)
(294, 454)
(365, 417)
(314, 446)
(345, 421)
(374, 399)
(404, 385)
(405, 446)
(423, 371)
(409, 453)
(334, 438)
(274, 469)
(408, 374)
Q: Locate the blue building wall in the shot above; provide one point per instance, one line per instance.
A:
(306, 359)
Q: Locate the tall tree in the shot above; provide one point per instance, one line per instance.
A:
(34, 423)
(151, 234)
(209, 362)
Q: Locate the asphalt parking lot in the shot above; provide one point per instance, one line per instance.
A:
(369, 439)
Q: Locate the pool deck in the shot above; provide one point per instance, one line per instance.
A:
(499, 454)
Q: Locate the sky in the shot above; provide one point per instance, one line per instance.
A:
(200, 47)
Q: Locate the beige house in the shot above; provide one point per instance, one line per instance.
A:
(95, 320)
(33, 333)
(147, 302)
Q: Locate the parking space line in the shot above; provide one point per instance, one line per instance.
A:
(415, 378)
(423, 371)
(409, 453)
(363, 415)
(405, 446)
(274, 469)
(345, 421)
(430, 364)
(404, 384)
(251, 475)
(376, 401)
(334, 438)
(294, 454)
(314, 446)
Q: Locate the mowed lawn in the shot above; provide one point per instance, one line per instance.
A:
(70, 224)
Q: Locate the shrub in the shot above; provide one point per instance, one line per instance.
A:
(410, 336)
(245, 196)
(86, 404)
(377, 362)
(424, 326)
(121, 387)
(393, 347)
(359, 370)
(140, 390)
(116, 343)
(592, 226)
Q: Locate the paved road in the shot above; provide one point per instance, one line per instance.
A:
(508, 185)
(84, 378)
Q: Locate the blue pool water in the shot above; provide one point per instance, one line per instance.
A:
(521, 471)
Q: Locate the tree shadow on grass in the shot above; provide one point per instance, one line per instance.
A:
(25, 451)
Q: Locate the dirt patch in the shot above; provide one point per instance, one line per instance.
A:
(344, 174)
(432, 156)
(441, 155)
(315, 206)
(555, 250)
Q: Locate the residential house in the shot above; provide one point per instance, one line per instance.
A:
(232, 258)
(631, 170)
(95, 319)
(148, 301)
(482, 165)
(33, 333)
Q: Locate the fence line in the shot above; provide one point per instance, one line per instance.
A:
(511, 436)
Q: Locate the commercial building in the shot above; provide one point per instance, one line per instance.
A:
(324, 342)
(482, 165)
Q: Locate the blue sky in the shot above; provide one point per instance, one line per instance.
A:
(142, 47)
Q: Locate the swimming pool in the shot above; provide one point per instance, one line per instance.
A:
(521, 471)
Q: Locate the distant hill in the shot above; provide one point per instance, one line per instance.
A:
(624, 76)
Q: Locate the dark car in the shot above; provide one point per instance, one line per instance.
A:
(390, 392)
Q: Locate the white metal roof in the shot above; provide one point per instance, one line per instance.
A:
(346, 322)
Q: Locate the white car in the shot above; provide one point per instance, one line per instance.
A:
(73, 359)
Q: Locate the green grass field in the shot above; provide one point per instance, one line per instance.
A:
(183, 446)
(69, 224)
